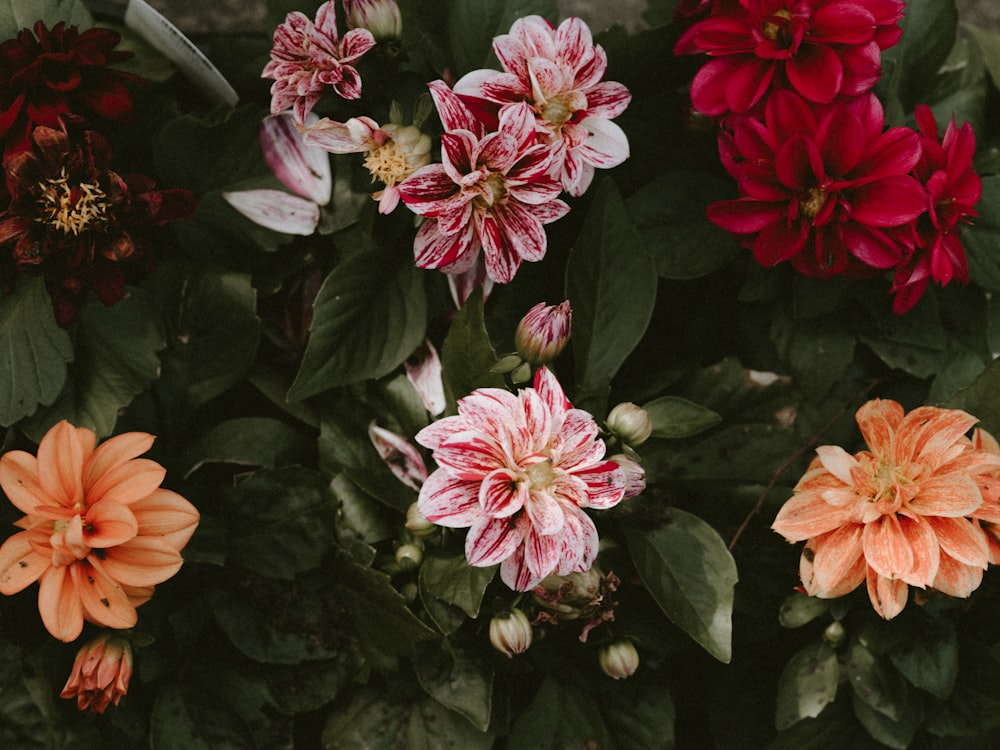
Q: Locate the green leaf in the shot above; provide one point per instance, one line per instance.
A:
(362, 514)
(690, 573)
(310, 685)
(800, 609)
(982, 239)
(891, 732)
(642, 719)
(807, 684)
(914, 343)
(246, 441)
(369, 316)
(675, 417)
(874, 681)
(988, 43)
(611, 285)
(467, 356)
(670, 215)
(979, 398)
(452, 580)
(752, 454)
(22, 14)
(929, 660)
(818, 351)
(34, 351)
(458, 678)
(560, 716)
(281, 522)
(370, 721)
(183, 717)
(116, 358)
(472, 25)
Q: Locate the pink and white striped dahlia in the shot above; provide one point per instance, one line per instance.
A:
(308, 58)
(518, 470)
(558, 73)
(822, 186)
(819, 49)
(492, 192)
(953, 189)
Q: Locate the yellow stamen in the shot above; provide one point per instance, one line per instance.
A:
(72, 208)
(773, 30)
(388, 163)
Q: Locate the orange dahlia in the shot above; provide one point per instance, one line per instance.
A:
(98, 532)
(895, 515)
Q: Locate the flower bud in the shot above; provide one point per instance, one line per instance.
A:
(630, 423)
(619, 659)
(101, 673)
(381, 17)
(635, 475)
(511, 633)
(417, 524)
(409, 556)
(834, 634)
(543, 332)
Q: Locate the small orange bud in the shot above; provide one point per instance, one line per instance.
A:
(101, 673)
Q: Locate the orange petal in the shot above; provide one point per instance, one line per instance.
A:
(888, 596)
(837, 461)
(807, 514)
(128, 482)
(59, 604)
(920, 536)
(944, 428)
(20, 564)
(878, 420)
(950, 495)
(838, 564)
(115, 452)
(142, 562)
(962, 539)
(109, 523)
(104, 602)
(167, 516)
(956, 579)
(61, 456)
(138, 595)
(19, 479)
(887, 549)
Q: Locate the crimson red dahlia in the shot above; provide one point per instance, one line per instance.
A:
(822, 186)
(821, 49)
(52, 75)
(68, 217)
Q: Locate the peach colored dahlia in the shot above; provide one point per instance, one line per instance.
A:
(98, 532)
(894, 515)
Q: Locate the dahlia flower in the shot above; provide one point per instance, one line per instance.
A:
(59, 73)
(71, 219)
(822, 186)
(518, 470)
(492, 192)
(98, 532)
(894, 515)
(558, 73)
(821, 50)
(308, 58)
(953, 189)
(101, 673)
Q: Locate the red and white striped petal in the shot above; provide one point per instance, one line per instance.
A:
(541, 552)
(579, 542)
(448, 501)
(471, 454)
(454, 253)
(607, 146)
(451, 110)
(606, 485)
(545, 512)
(302, 168)
(503, 493)
(276, 210)
(493, 540)
(423, 370)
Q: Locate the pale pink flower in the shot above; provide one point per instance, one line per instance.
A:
(558, 73)
(543, 332)
(492, 192)
(895, 515)
(423, 370)
(402, 458)
(518, 470)
(308, 59)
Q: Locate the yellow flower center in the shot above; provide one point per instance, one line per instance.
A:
(495, 191)
(541, 474)
(388, 163)
(557, 110)
(773, 27)
(811, 204)
(72, 208)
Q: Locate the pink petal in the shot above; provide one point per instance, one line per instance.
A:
(957, 579)
(19, 479)
(276, 210)
(541, 552)
(433, 248)
(423, 370)
(816, 72)
(109, 523)
(103, 599)
(142, 562)
(503, 493)
(448, 501)
(963, 540)
(59, 604)
(452, 111)
(837, 565)
(492, 540)
(303, 169)
(545, 513)
(887, 596)
(403, 460)
(887, 549)
(20, 564)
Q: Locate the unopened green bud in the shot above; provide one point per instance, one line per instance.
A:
(630, 423)
(510, 633)
(619, 659)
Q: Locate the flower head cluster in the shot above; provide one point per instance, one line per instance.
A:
(518, 471)
(101, 673)
(52, 75)
(68, 217)
(821, 50)
(98, 532)
(308, 58)
(900, 513)
(558, 72)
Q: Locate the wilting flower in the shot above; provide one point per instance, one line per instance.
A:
(558, 73)
(822, 186)
(402, 458)
(582, 596)
(543, 332)
(819, 49)
(77, 223)
(392, 152)
(510, 633)
(98, 532)
(893, 515)
(54, 74)
(953, 189)
(381, 17)
(309, 58)
(619, 660)
(519, 470)
(101, 673)
(492, 192)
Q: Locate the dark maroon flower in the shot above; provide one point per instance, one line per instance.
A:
(66, 216)
(820, 49)
(822, 186)
(53, 75)
(953, 189)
